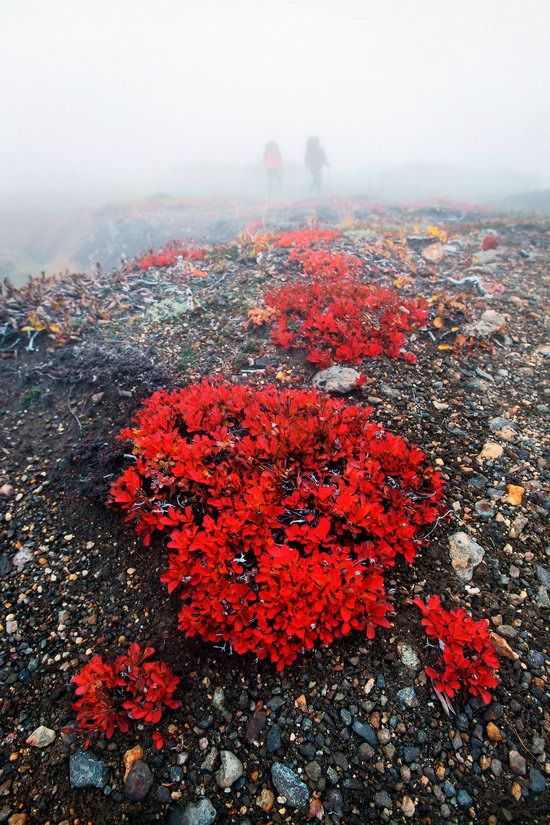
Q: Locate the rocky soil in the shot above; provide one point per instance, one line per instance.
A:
(349, 734)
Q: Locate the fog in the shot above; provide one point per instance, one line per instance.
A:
(113, 99)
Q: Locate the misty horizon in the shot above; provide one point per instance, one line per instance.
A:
(112, 100)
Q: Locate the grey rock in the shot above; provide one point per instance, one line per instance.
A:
(489, 323)
(465, 555)
(517, 763)
(194, 813)
(41, 737)
(408, 656)
(537, 782)
(543, 575)
(230, 770)
(273, 739)
(543, 600)
(365, 731)
(464, 799)
(210, 760)
(86, 770)
(337, 380)
(313, 770)
(484, 508)
(255, 725)
(138, 782)
(21, 558)
(407, 696)
(289, 785)
(382, 800)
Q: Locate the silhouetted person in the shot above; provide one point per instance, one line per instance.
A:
(315, 159)
(273, 163)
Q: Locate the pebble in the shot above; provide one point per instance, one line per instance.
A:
(265, 800)
(230, 770)
(41, 737)
(465, 555)
(194, 813)
(86, 770)
(408, 807)
(407, 696)
(337, 380)
(139, 781)
(289, 785)
(517, 763)
(365, 731)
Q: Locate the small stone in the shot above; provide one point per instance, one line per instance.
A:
(382, 800)
(231, 769)
(139, 781)
(407, 696)
(408, 807)
(464, 799)
(489, 323)
(337, 380)
(484, 509)
(465, 555)
(491, 451)
(273, 740)
(130, 758)
(289, 785)
(365, 731)
(517, 763)
(41, 737)
(493, 732)
(514, 494)
(86, 770)
(408, 656)
(543, 575)
(255, 725)
(537, 782)
(265, 800)
(198, 813)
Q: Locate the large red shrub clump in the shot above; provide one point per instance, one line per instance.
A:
(337, 318)
(468, 659)
(283, 509)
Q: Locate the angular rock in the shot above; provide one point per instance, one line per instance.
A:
(337, 380)
(139, 781)
(517, 763)
(194, 813)
(86, 770)
(289, 785)
(230, 770)
(41, 737)
(489, 323)
(365, 731)
(465, 555)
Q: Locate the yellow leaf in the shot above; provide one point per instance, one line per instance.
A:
(445, 346)
(439, 322)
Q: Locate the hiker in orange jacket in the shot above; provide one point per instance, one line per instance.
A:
(273, 163)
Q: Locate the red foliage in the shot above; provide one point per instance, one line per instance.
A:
(339, 319)
(468, 657)
(489, 242)
(168, 256)
(283, 508)
(301, 239)
(131, 687)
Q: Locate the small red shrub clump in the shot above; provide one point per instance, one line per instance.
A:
(489, 242)
(111, 693)
(339, 319)
(168, 256)
(283, 508)
(468, 659)
(300, 239)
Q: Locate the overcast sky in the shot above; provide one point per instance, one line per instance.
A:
(106, 91)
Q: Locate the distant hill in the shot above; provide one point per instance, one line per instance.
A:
(537, 201)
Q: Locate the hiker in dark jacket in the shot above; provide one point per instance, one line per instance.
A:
(315, 159)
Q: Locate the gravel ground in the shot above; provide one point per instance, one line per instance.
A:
(349, 734)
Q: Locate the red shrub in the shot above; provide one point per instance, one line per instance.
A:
(339, 319)
(128, 688)
(489, 242)
(283, 508)
(168, 256)
(303, 238)
(468, 657)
